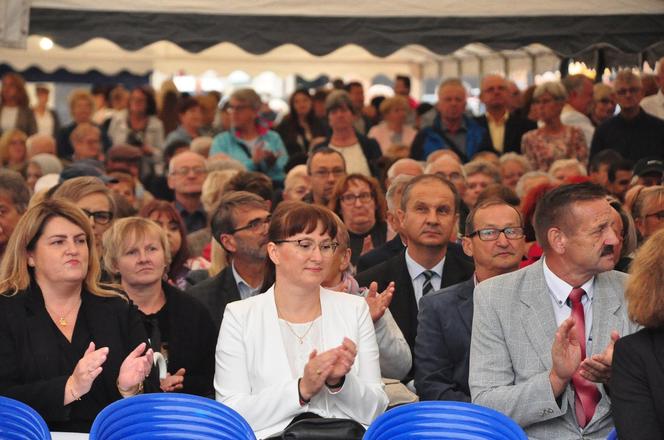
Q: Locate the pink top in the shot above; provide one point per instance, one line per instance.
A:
(542, 149)
(386, 138)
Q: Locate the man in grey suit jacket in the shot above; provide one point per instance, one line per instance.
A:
(528, 339)
(496, 242)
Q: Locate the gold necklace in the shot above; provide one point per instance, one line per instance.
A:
(62, 320)
(300, 338)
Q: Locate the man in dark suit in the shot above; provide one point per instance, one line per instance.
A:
(240, 225)
(442, 346)
(428, 212)
(504, 130)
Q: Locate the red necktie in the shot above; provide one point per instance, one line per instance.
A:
(586, 393)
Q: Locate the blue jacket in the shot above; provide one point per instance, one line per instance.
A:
(229, 144)
(430, 139)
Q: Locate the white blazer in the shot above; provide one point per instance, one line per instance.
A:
(253, 375)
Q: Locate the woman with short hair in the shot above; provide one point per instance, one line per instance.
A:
(553, 140)
(393, 134)
(68, 346)
(137, 253)
(299, 350)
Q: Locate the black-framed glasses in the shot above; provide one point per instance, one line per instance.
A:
(100, 217)
(632, 90)
(659, 215)
(254, 225)
(306, 245)
(492, 234)
(363, 197)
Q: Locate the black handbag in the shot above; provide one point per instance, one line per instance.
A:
(319, 428)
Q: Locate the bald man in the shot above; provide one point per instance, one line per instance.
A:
(505, 129)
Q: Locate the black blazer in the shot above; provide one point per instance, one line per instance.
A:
(382, 253)
(515, 128)
(403, 305)
(215, 293)
(637, 385)
(193, 339)
(442, 345)
(32, 368)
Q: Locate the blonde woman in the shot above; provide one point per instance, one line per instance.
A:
(13, 152)
(68, 346)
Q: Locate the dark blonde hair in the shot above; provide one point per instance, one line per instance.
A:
(126, 232)
(14, 272)
(78, 187)
(645, 286)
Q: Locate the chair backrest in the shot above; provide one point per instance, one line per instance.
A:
(613, 435)
(432, 420)
(169, 415)
(19, 421)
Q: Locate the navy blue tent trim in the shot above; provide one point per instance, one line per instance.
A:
(639, 35)
(34, 74)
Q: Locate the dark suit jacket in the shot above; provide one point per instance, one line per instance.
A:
(193, 339)
(403, 305)
(637, 385)
(33, 368)
(515, 128)
(380, 254)
(215, 293)
(442, 345)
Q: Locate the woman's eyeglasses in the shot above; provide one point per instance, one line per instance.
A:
(352, 198)
(100, 217)
(307, 246)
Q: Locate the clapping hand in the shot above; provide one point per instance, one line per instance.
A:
(173, 382)
(379, 303)
(316, 372)
(597, 368)
(135, 368)
(346, 353)
(565, 356)
(86, 371)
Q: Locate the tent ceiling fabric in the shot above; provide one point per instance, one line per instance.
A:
(132, 28)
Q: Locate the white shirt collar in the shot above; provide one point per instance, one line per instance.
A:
(560, 289)
(415, 269)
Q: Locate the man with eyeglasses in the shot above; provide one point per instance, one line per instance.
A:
(428, 213)
(186, 174)
(633, 132)
(496, 242)
(240, 225)
(542, 337)
(325, 167)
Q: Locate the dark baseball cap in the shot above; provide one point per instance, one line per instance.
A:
(649, 165)
(124, 153)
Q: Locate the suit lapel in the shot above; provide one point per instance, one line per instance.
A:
(275, 355)
(40, 329)
(229, 286)
(465, 305)
(605, 314)
(403, 305)
(453, 271)
(539, 322)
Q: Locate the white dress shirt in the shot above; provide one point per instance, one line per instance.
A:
(559, 291)
(417, 277)
(573, 117)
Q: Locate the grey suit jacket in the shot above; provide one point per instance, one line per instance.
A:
(510, 354)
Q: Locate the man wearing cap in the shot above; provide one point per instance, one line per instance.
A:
(126, 158)
(86, 167)
(649, 171)
(633, 133)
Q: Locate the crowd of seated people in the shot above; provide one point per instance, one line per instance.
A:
(291, 268)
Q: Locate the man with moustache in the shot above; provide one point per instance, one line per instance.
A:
(240, 225)
(496, 242)
(542, 337)
(427, 215)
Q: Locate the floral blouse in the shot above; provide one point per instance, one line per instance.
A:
(542, 149)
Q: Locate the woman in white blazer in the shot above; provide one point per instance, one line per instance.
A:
(299, 348)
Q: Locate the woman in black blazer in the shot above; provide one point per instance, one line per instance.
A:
(637, 381)
(179, 327)
(68, 347)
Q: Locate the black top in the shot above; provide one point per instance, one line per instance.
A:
(378, 238)
(36, 359)
(634, 139)
(187, 337)
(215, 293)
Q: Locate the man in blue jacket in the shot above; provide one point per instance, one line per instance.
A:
(451, 128)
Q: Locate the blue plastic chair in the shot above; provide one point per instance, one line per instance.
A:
(613, 435)
(169, 416)
(444, 420)
(21, 422)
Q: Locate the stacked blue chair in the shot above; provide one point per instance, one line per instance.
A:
(444, 420)
(169, 416)
(613, 435)
(20, 422)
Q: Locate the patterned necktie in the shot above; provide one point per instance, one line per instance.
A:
(427, 287)
(586, 395)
